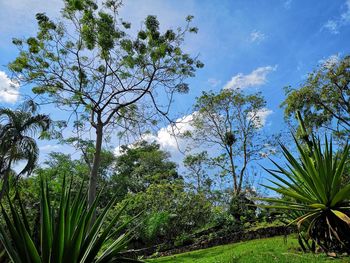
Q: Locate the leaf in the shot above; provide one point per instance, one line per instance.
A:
(342, 216)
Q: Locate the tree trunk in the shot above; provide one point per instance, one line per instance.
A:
(198, 183)
(233, 171)
(245, 162)
(5, 180)
(95, 165)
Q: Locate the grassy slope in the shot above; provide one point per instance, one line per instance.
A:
(261, 250)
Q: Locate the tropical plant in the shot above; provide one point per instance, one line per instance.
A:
(313, 186)
(67, 234)
(17, 127)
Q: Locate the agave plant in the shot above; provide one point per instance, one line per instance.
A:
(316, 195)
(69, 234)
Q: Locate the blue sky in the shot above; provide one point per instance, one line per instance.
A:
(259, 45)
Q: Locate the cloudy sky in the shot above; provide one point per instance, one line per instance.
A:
(256, 45)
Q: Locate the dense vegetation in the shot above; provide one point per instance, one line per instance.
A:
(93, 207)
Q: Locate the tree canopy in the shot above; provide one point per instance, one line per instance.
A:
(89, 62)
(324, 98)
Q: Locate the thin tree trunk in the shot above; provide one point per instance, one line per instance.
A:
(233, 171)
(198, 183)
(95, 165)
(245, 162)
(5, 180)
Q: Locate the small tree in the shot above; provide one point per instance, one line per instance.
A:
(141, 165)
(196, 164)
(87, 63)
(17, 129)
(231, 122)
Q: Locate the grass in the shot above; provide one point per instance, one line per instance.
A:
(267, 250)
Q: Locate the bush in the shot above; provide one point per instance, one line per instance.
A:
(183, 240)
(156, 224)
(242, 209)
(169, 211)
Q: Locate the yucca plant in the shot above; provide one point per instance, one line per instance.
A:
(313, 184)
(67, 234)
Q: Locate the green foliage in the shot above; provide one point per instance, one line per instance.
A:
(324, 98)
(169, 211)
(141, 165)
(242, 208)
(183, 240)
(318, 197)
(157, 223)
(67, 234)
(100, 38)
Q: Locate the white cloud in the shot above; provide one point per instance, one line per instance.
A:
(268, 150)
(256, 78)
(214, 82)
(260, 117)
(330, 61)
(49, 148)
(334, 25)
(168, 138)
(345, 16)
(257, 36)
(9, 89)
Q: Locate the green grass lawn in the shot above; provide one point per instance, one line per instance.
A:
(256, 251)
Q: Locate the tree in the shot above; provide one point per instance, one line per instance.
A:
(87, 63)
(324, 98)
(231, 122)
(141, 165)
(196, 164)
(17, 129)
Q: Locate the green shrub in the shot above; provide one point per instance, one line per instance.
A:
(242, 209)
(156, 223)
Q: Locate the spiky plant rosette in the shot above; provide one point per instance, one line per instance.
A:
(68, 233)
(313, 186)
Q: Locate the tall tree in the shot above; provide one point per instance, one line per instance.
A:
(324, 98)
(231, 122)
(17, 129)
(86, 62)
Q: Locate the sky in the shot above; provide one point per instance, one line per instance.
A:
(256, 45)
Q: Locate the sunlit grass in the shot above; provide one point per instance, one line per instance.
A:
(268, 250)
